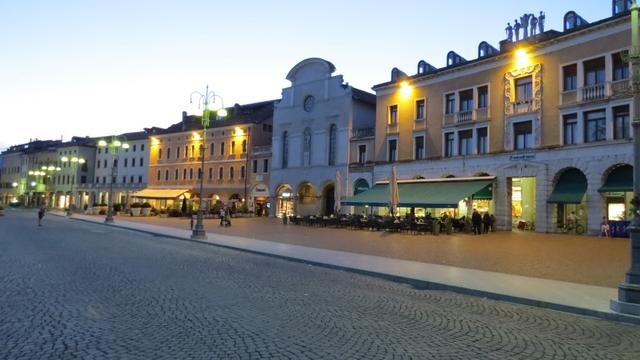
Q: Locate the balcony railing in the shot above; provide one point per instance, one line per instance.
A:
(362, 133)
(595, 92)
(465, 116)
(621, 87)
(264, 149)
(524, 106)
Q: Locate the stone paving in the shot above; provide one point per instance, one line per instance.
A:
(77, 290)
(580, 259)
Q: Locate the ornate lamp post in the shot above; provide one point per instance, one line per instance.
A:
(113, 147)
(628, 301)
(74, 161)
(204, 100)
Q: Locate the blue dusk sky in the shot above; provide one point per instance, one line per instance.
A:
(91, 68)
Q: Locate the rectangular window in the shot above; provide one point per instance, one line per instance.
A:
(362, 153)
(98, 164)
(134, 147)
(104, 162)
(97, 180)
(621, 122)
(254, 167)
(104, 179)
(620, 67)
(594, 71)
(418, 151)
(222, 148)
(159, 153)
(450, 103)
(141, 161)
(483, 140)
(483, 97)
(231, 172)
(595, 126)
(522, 135)
(140, 176)
(465, 142)
(392, 150)
(466, 100)
(83, 179)
(126, 162)
(524, 90)
(570, 126)
(393, 115)
(131, 179)
(141, 147)
(168, 153)
(220, 173)
(265, 165)
(178, 152)
(420, 109)
(115, 163)
(570, 77)
(448, 144)
(124, 179)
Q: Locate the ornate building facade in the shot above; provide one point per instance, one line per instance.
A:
(546, 119)
(312, 126)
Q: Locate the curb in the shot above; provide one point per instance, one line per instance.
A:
(416, 283)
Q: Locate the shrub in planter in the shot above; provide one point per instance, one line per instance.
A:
(146, 205)
(136, 205)
(145, 209)
(117, 207)
(102, 212)
(174, 213)
(135, 209)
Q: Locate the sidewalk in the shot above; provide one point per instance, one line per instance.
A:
(559, 295)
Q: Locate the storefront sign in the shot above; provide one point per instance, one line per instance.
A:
(521, 157)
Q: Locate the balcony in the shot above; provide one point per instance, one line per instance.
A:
(462, 117)
(598, 92)
(363, 133)
(621, 88)
(524, 106)
(595, 92)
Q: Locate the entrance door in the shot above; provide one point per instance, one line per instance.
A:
(329, 200)
(523, 203)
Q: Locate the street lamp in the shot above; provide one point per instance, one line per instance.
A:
(628, 301)
(209, 97)
(113, 145)
(74, 166)
(240, 133)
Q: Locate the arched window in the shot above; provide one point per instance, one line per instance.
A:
(618, 6)
(333, 133)
(184, 174)
(422, 67)
(210, 173)
(242, 171)
(244, 146)
(285, 150)
(307, 147)
(573, 20)
(191, 174)
(484, 49)
(168, 152)
(158, 176)
(166, 175)
(176, 175)
(220, 173)
(395, 74)
(211, 148)
(231, 172)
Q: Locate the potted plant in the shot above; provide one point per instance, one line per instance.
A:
(136, 208)
(163, 213)
(146, 208)
(117, 208)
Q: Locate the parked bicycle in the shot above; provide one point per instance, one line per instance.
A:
(573, 227)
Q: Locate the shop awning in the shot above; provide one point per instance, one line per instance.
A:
(569, 189)
(484, 194)
(425, 194)
(159, 193)
(376, 196)
(620, 179)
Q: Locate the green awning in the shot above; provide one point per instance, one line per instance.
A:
(620, 179)
(569, 189)
(376, 196)
(439, 194)
(485, 194)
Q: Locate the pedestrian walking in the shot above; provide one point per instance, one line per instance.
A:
(486, 221)
(222, 215)
(476, 221)
(192, 215)
(227, 217)
(40, 215)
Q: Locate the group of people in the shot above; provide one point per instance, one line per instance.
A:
(481, 223)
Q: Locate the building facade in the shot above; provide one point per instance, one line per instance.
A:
(547, 117)
(76, 160)
(122, 171)
(313, 123)
(176, 155)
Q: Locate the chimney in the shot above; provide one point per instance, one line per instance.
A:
(184, 121)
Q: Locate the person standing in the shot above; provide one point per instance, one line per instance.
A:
(476, 221)
(486, 221)
(222, 215)
(40, 215)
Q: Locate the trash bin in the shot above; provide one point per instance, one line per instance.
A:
(436, 228)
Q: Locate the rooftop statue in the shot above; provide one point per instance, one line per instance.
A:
(509, 30)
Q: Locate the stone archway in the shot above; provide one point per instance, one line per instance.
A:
(328, 199)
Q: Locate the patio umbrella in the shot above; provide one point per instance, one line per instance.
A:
(394, 196)
(336, 192)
